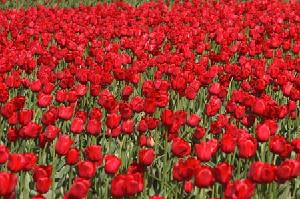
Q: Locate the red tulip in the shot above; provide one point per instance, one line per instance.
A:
(93, 127)
(259, 107)
(261, 172)
(263, 132)
(118, 186)
(51, 132)
(112, 164)
(4, 154)
(113, 120)
(180, 147)
(44, 100)
(42, 171)
(287, 170)
(243, 188)
(43, 185)
(205, 150)
(72, 156)
(128, 126)
(204, 177)
(16, 162)
(146, 156)
(63, 144)
(223, 172)
(86, 169)
(213, 106)
(79, 189)
(65, 112)
(77, 125)
(94, 153)
(188, 186)
(247, 147)
(193, 120)
(30, 161)
(228, 143)
(8, 183)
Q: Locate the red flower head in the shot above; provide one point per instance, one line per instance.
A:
(180, 147)
(193, 120)
(65, 112)
(188, 186)
(4, 154)
(25, 116)
(73, 156)
(146, 156)
(93, 127)
(8, 183)
(77, 125)
(44, 100)
(247, 147)
(263, 132)
(204, 177)
(79, 189)
(43, 185)
(213, 106)
(94, 153)
(63, 144)
(42, 171)
(113, 120)
(205, 150)
(86, 169)
(287, 170)
(16, 162)
(223, 172)
(243, 188)
(260, 172)
(112, 164)
(30, 161)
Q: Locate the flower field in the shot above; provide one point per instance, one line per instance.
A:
(161, 100)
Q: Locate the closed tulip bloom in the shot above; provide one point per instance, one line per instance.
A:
(79, 189)
(73, 156)
(180, 147)
(93, 127)
(30, 161)
(77, 125)
(287, 170)
(193, 120)
(263, 132)
(204, 177)
(86, 169)
(25, 116)
(16, 162)
(146, 156)
(112, 164)
(63, 144)
(4, 154)
(43, 185)
(94, 153)
(247, 147)
(118, 186)
(8, 183)
(65, 112)
(223, 172)
(243, 188)
(260, 172)
(113, 120)
(42, 171)
(188, 186)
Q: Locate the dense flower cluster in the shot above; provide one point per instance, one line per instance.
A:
(199, 94)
